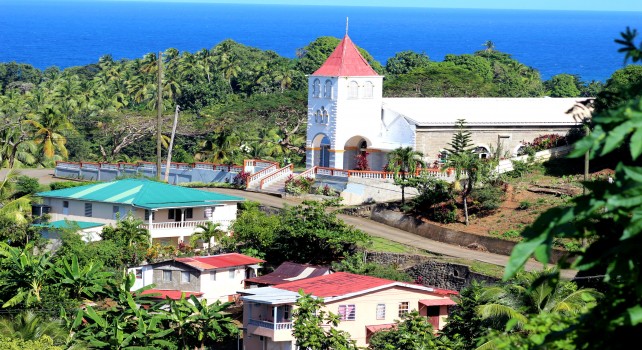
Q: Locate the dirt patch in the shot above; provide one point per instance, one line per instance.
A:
(524, 201)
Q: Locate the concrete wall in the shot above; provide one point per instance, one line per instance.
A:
(194, 285)
(101, 212)
(360, 191)
(430, 141)
(176, 176)
(441, 234)
(224, 287)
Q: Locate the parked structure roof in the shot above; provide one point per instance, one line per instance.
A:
(288, 272)
(142, 193)
(345, 61)
(202, 263)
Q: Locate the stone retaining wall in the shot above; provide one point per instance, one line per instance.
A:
(430, 272)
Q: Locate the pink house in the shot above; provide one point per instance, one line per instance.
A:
(365, 304)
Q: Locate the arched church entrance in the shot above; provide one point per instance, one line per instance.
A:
(321, 150)
(356, 155)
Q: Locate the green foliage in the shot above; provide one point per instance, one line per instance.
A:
(411, 332)
(29, 326)
(210, 234)
(563, 85)
(26, 185)
(43, 343)
(433, 193)
(405, 61)
(253, 229)
(404, 162)
(487, 199)
(462, 139)
(129, 234)
(87, 281)
(464, 323)
(23, 275)
(299, 185)
(355, 263)
(59, 185)
(308, 330)
(623, 85)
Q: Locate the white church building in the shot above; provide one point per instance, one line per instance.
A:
(348, 116)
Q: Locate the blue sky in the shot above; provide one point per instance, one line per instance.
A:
(587, 5)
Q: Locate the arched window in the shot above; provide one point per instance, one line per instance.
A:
(482, 151)
(317, 116)
(326, 117)
(327, 89)
(353, 90)
(316, 88)
(368, 90)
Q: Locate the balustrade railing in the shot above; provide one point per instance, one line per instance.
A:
(224, 224)
(277, 326)
(256, 177)
(277, 175)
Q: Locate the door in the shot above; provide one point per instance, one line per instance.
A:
(433, 315)
(65, 207)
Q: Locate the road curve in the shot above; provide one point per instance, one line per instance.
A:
(371, 227)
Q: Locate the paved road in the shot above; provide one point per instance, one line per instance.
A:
(371, 227)
(376, 229)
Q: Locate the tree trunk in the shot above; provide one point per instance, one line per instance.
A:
(465, 199)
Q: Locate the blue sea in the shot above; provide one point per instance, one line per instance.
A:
(68, 34)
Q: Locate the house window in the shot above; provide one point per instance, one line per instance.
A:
(88, 210)
(327, 89)
(347, 312)
(316, 88)
(147, 215)
(171, 214)
(286, 312)
(212, 275)
(189, 213)
(403, 308)
(231, 273)
(185, 277)
(353, 90)
(65, 207)
(115, 210)
(167, 275)
(381, 311)
(368, 90)
(139, 274)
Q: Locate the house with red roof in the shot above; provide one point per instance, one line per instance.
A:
(216, 277)
(287, 272)
(365, 305)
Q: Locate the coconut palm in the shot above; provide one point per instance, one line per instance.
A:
(403, 162)
(50, 126)
(209, 233)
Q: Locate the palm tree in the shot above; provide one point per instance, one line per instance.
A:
(49, 128)
(527, 295)
(209, 233)
(403, 162)
(28, 325)
(489, 46)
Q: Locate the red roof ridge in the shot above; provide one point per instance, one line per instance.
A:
(345, 60)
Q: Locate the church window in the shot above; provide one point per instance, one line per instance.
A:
(317, 116)
(326, 117)
(482, 152)
(316, 88)
(368, 90)
(353, 90)
(327, 89)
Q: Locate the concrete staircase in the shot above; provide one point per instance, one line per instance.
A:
(275, 188)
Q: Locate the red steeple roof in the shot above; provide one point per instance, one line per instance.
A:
(345, 61)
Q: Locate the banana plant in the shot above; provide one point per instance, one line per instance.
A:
(24, 276)
(82, 282)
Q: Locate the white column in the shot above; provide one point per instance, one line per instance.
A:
(151, 215)
(274, 317)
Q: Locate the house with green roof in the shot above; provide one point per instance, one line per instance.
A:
(170, 213)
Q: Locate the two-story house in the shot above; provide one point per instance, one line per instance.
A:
(171, 213)
(365, 305)
(287, 272)
(215, 277)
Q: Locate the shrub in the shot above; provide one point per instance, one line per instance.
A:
(240, 180)
(524, 205)
(26, 185)
(445, 214)
(59, 185)
(511, 234)
(298, 185)
(487, 199)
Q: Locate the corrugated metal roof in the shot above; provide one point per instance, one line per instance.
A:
(444, 111)
(288, 272)
(341, 285)
(142, 193)
(345, 61)
(219, 261)
(169, 293)
(64, 224)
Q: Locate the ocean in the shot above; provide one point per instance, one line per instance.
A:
(66, 34)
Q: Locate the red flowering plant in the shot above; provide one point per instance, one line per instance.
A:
(362, 161)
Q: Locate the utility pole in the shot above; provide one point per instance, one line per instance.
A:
(159, 93)
(171, 144)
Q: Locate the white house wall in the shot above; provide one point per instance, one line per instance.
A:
(224, 287)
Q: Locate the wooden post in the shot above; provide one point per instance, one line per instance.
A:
(159, 123)
(171, 144)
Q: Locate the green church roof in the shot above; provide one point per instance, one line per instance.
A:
(143, 194)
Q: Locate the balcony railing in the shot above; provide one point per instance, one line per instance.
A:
(277, 326)
(224, 224)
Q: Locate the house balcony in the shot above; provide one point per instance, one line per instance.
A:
(278, 331)
(180, 228)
